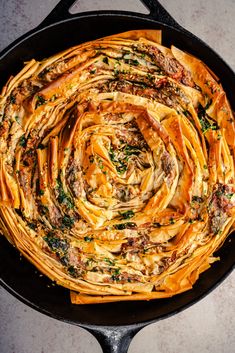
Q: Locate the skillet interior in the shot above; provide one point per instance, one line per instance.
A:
(18, 276)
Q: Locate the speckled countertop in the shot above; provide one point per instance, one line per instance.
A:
(206, 327)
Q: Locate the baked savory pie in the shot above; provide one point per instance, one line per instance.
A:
(117, 167)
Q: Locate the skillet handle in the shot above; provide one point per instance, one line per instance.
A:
(159, 13)
(114, 339)
(59, 13)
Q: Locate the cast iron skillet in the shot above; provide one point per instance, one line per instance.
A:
(114, 324)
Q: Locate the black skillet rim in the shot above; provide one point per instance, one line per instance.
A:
(219, 279)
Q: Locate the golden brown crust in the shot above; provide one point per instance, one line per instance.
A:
(153, 35)
(117, 167)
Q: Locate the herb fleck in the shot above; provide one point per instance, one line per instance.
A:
(12, 99)
(40, 101)
(150, 77)
(186, 113)
(41, 146)
(63, 197)
(120, 165)
(72, 271)
(109, 262)
(229, 196)
(128, 225)
(129, 150)
(115, 275)
(22, 142)
(67, 222)
(32, 226)
(88, 239)
(205, 121)
(127, 214)
(131, 62)
(56, 243)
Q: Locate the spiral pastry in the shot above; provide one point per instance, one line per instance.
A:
(117, 167)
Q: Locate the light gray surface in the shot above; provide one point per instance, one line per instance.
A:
(206, 327)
